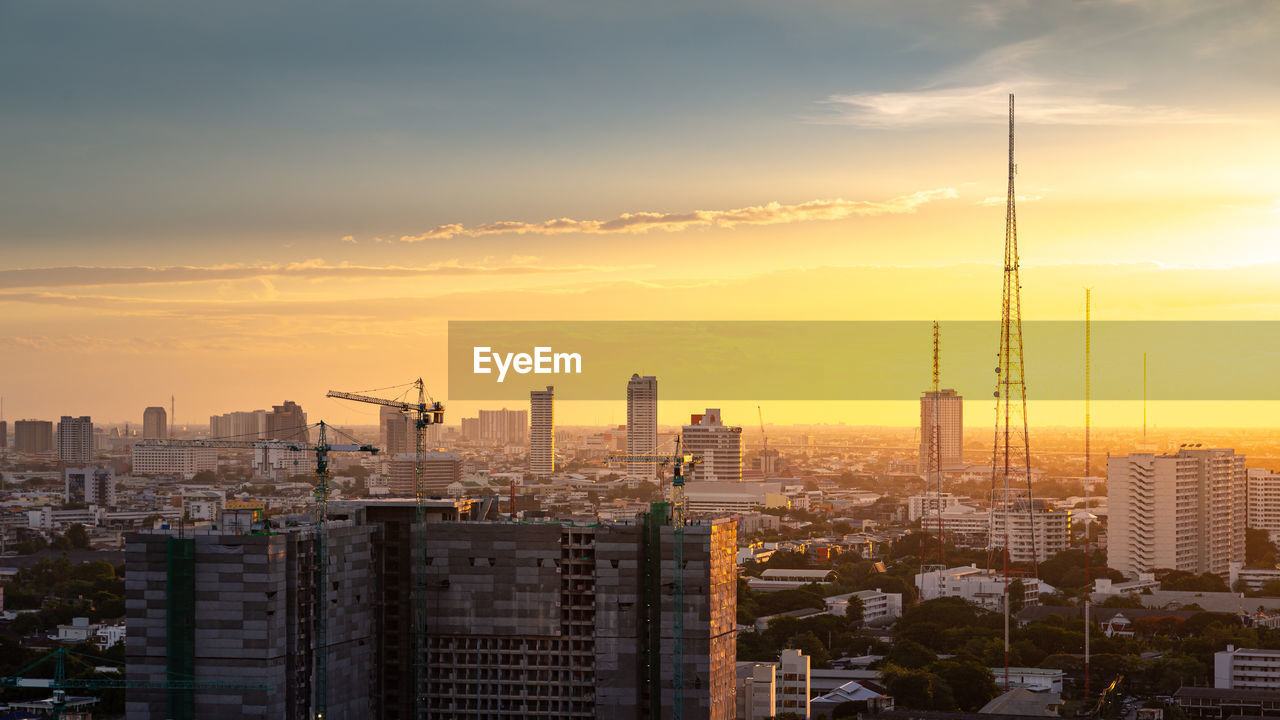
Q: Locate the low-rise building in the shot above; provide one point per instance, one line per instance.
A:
(878, 607)
(757, 690)
(981, 587)
(1246, 669)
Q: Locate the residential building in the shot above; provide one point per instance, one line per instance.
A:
(75, 439)
(203, 504)
(863, 693)
(33, 436)
(723, 498)
(1034, 679)
(396, 431)
(90, 485)
(719, 446)
(1246, 669)
(642, 425)
(1262, 501)
(1034, 531)
(982, 587)
(1184, 511)
(757, 691)
(280, 462)
(4, 434)
(941, 412)
(878, 607)
(931, 503)
(287, 422)
(240, 425)
(793, 683)
(503, 428)
(542, 431)
(155, 423)
(175, 461)
(439, 469)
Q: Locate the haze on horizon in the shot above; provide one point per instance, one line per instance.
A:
(240, 204)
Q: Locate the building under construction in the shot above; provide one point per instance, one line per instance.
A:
(525, 619)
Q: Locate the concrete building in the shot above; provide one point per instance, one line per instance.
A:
(287, 422)
(396, 431)
(941, 412)
(722, 498)
(1262, 501)
(75, 439)
(1246, 669)
(793, 683)
(281, 462)
(1184, 511)
(757, 691)
(203, 504)
(642, 424)
(1033, 535)
(878, 607)
(928, 504)
(979, 586)
(90, 485)
(240, 425)
(503, 428)
(182, 462)
(240, 608)
(542, 431)
(33, 436)
(719, 446)
(155, 423)
(440, 470)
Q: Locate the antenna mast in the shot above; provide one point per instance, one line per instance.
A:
(935, 443)
(1088, 473)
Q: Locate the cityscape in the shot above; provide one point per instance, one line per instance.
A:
(243, 473)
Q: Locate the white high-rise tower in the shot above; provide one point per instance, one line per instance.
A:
(542, 431)
(642, 424)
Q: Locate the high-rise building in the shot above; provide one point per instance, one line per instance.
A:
(182, 462)
(155, 423)
(397, 431)
(642, 424)
(542, 431)
(1034, 535)
(550, 620)
(943, 410)
(1262, 498)
(33, 436)
(1183, 512)
(241, 425)
(75, 439)
(287, 422)
(503, 427)
(439, 470)
(90, 485)
(4, 434)
(719, 446)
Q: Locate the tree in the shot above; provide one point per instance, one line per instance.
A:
(205, 477)
(1259, 551)
(810, 645)
(911, 655)
(972, 685)
(1017, 594)
(917, 689)
(78, 536)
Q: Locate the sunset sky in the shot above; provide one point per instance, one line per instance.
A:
(238, 203)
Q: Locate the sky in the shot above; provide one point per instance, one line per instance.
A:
(236, 203)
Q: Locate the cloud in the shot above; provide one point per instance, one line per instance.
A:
(1040, 102)
(640, 222)
(81, 275)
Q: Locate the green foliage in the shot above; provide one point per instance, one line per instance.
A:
(809, 644)
(1182, 580)
(972, 684)
(78, 536)
(917, 689)
(911, 655)
(1259, 551)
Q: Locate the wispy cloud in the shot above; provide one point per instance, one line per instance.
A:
(640, 222)
(81, 275)
(1039, 102)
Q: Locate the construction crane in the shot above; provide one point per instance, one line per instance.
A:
(678, 463)
(425, 413)
(320, 572)
(60, 683)
(764, 454)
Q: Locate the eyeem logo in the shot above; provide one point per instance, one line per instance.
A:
(542, 362)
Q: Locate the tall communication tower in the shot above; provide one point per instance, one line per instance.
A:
(1011, 456)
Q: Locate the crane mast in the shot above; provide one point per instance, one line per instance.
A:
(425, 413)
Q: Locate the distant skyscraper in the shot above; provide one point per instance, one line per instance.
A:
(642, 424)
(719, 445)
(4, 434)
(946, 409)
(33, 436)
(155, 423)
(397, 432)
(1182, 512)
(75, 439)
(287, 422)
(504, 427)
(542, 431)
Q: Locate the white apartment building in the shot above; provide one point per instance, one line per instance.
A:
(203, 504)
(1183, 511)
(1262, 501)
(719, 446)
(184, 461)
(757, 691)
(75, 439)
(724, 498)
(927, 505)
(943, 410)
(642, 424)
(1033, 535)
(281, 461)
(878, 607)
(542, 431)
(978, 586)
(239, 425)
(793, 683)
(92, 485)
(964, 526)
(1246, 669)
